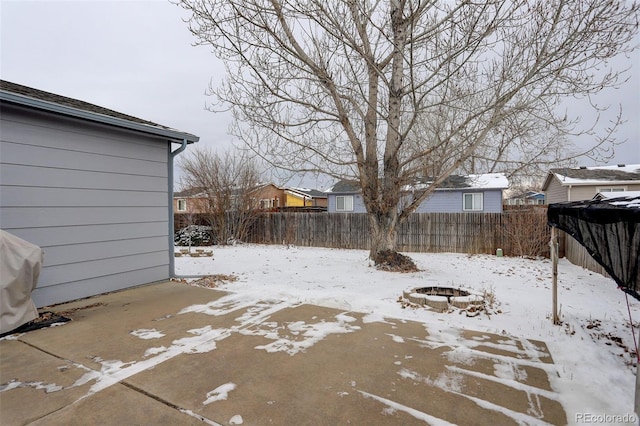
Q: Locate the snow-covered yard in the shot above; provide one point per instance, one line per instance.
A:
(594, 346)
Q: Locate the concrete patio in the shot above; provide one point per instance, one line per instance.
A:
(171, 353)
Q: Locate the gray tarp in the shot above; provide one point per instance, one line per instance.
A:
(20, 263)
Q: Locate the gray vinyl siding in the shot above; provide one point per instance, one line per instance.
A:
(587, 192)
(94, 197)
(628, 187)
(555, 193)
(358, 203)
(579, 193)
(493, 201)
(443, 201)
(451, 201)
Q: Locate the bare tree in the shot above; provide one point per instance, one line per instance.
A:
(226, 183)
(389, 91)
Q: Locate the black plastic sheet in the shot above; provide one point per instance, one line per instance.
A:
(609, 230)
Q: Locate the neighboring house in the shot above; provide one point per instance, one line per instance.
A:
(457, 194)
(195, 200)
(583, 183)
(622, 195)
(305, 197)
(525, 199)
(189, 201)
(267, 197)
(91, 186)
(188, 205)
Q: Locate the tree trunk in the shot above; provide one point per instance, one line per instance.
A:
(383, 212)
(383, 228)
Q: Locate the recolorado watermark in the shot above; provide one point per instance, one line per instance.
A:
(592, 418)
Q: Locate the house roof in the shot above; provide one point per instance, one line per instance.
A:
(301, 192)
(625, 199)
(477, 181)
(306, 192)
(263, 185)
(607, 175)
(13, 93)
(344, 186)
(189, 192)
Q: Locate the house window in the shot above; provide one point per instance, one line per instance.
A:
(472, 202)
(613, 189)
(182, 205)
(344, 203)
(266, 203)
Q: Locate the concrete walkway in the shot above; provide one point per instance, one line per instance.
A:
(173, 354)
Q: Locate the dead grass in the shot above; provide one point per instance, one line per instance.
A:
(212, 281)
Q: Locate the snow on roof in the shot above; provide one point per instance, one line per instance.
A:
(629, 168)
(598, 175)
(625, 194)
(633, 203)
(489, 181)
(479, 181)
(307, 192)
(476, 181)
(629, 199)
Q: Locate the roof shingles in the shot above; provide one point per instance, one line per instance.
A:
(19, 89)
(600, 174)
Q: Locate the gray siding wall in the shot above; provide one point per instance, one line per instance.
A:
(92, 196)
(438, 202)
(451, 201)
(493, 201)
(587, 192)
(358, 203)
(442, 202)
(578, 193)
(555, 193)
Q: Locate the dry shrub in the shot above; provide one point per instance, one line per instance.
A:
(526, 232)
(389, 260)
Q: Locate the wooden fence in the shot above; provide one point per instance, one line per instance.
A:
(513, 232)
(578, 255)
(518, 232)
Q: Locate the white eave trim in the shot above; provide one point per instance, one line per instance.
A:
(298, 194)
(607, 183)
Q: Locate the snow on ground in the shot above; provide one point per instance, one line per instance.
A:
(594, 346)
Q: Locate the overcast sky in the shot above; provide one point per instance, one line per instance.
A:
(138, 58)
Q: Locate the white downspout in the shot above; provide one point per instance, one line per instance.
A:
(172, 259)
(172, 263)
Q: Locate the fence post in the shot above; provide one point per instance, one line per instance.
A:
(554, 260)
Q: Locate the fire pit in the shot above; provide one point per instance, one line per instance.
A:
(441, 298)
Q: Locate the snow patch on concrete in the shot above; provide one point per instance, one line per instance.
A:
(221, 393)
(147, 333)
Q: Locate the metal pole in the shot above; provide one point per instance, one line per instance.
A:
(554, 261)
(637, 398)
